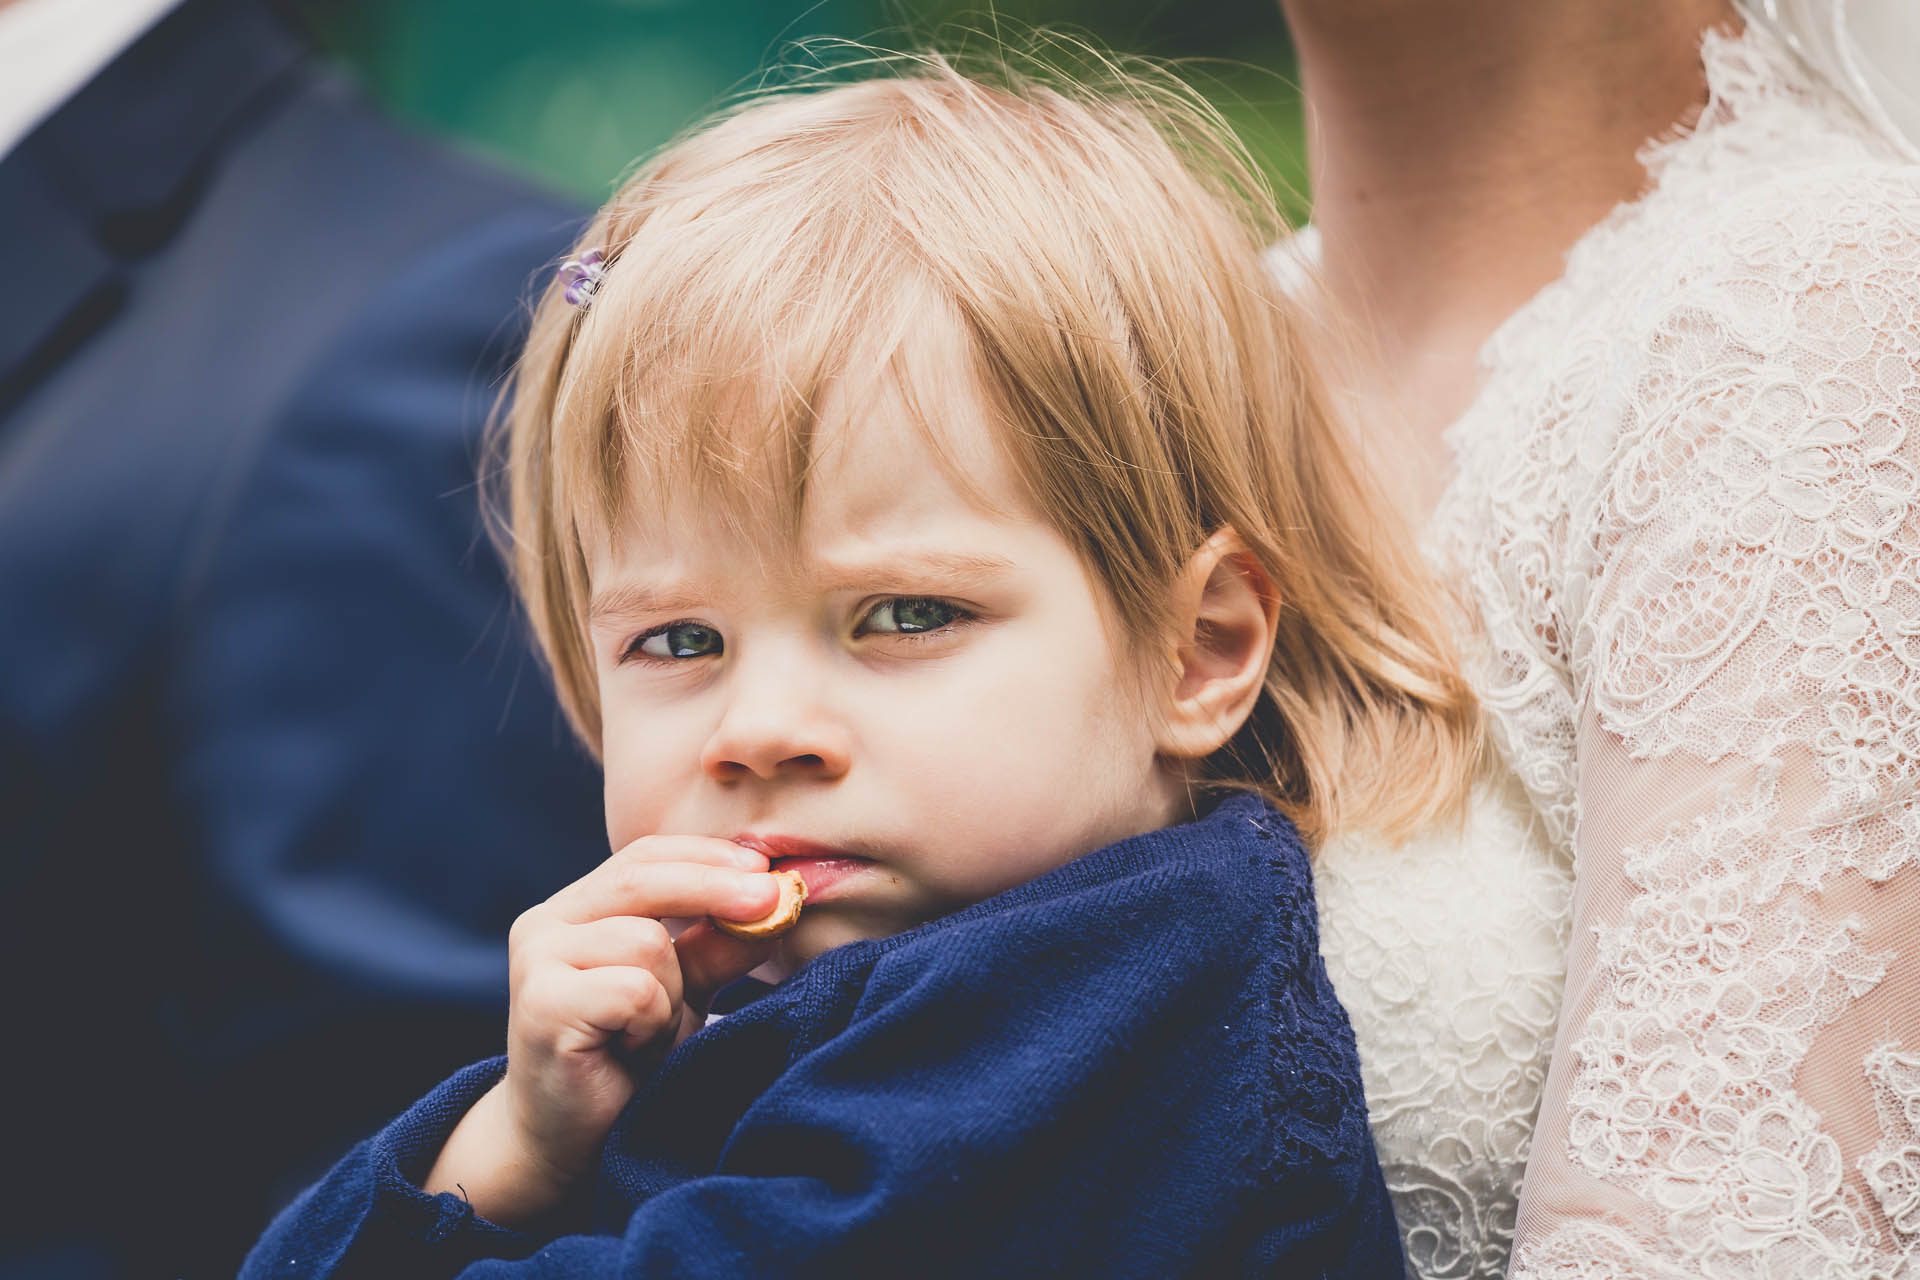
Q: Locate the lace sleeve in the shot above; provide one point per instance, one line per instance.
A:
(1735, 1089)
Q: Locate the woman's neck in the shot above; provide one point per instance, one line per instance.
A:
(1458, 148)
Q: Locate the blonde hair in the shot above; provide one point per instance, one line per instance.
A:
(1098, 239)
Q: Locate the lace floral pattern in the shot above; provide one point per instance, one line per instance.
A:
(1893, 1171)
(1453, 992)
(1687, 509)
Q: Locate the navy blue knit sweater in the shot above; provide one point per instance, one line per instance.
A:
(1131, 1066)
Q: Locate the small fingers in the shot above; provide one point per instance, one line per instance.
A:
(639, 941)
(585, 1010)
(635, 942)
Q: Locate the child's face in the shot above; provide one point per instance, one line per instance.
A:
(921, 684)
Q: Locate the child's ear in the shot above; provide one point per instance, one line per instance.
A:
(1226, 611)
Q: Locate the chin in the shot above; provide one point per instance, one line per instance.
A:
(818, 934)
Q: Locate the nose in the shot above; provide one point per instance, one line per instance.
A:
(776, 725)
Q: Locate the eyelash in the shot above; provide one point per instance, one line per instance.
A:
(963, 617)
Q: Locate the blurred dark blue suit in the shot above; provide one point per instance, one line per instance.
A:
(276, 767)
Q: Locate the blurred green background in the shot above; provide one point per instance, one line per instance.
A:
(573, 91)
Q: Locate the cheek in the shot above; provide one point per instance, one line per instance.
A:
(644, 765)
(1069, 711)
(1075, 737)
(1014, 711)
(1043, 762)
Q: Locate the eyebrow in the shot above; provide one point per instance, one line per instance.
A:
(960, 570)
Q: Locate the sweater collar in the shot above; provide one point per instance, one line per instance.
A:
(1232, 819)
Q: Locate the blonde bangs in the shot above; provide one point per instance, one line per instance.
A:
(707, 353)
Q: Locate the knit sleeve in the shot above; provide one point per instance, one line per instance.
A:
(369, 1216)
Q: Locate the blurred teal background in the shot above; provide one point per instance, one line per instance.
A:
(572, 92)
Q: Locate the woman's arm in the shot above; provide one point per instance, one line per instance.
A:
(1736, 1082)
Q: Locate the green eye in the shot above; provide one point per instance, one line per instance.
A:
(678, 640)
(908, 615)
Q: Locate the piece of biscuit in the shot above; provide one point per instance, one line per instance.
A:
(785, 913)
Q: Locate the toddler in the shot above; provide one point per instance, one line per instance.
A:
(917, 485)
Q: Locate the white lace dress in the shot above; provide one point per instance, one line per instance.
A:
(1687, 510)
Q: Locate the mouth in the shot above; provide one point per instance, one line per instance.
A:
(820, 866)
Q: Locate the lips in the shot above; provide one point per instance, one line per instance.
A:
(820, 866)
(778, 847)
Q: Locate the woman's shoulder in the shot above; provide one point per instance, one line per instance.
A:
(1784, 287)
(1781, 164)
(1784, 281)
(1773, 275)
(1781, 191)
(1811, 229)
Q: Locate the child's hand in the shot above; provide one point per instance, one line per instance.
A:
(600, 992)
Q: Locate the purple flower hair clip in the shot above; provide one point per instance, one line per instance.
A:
(582, 277)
